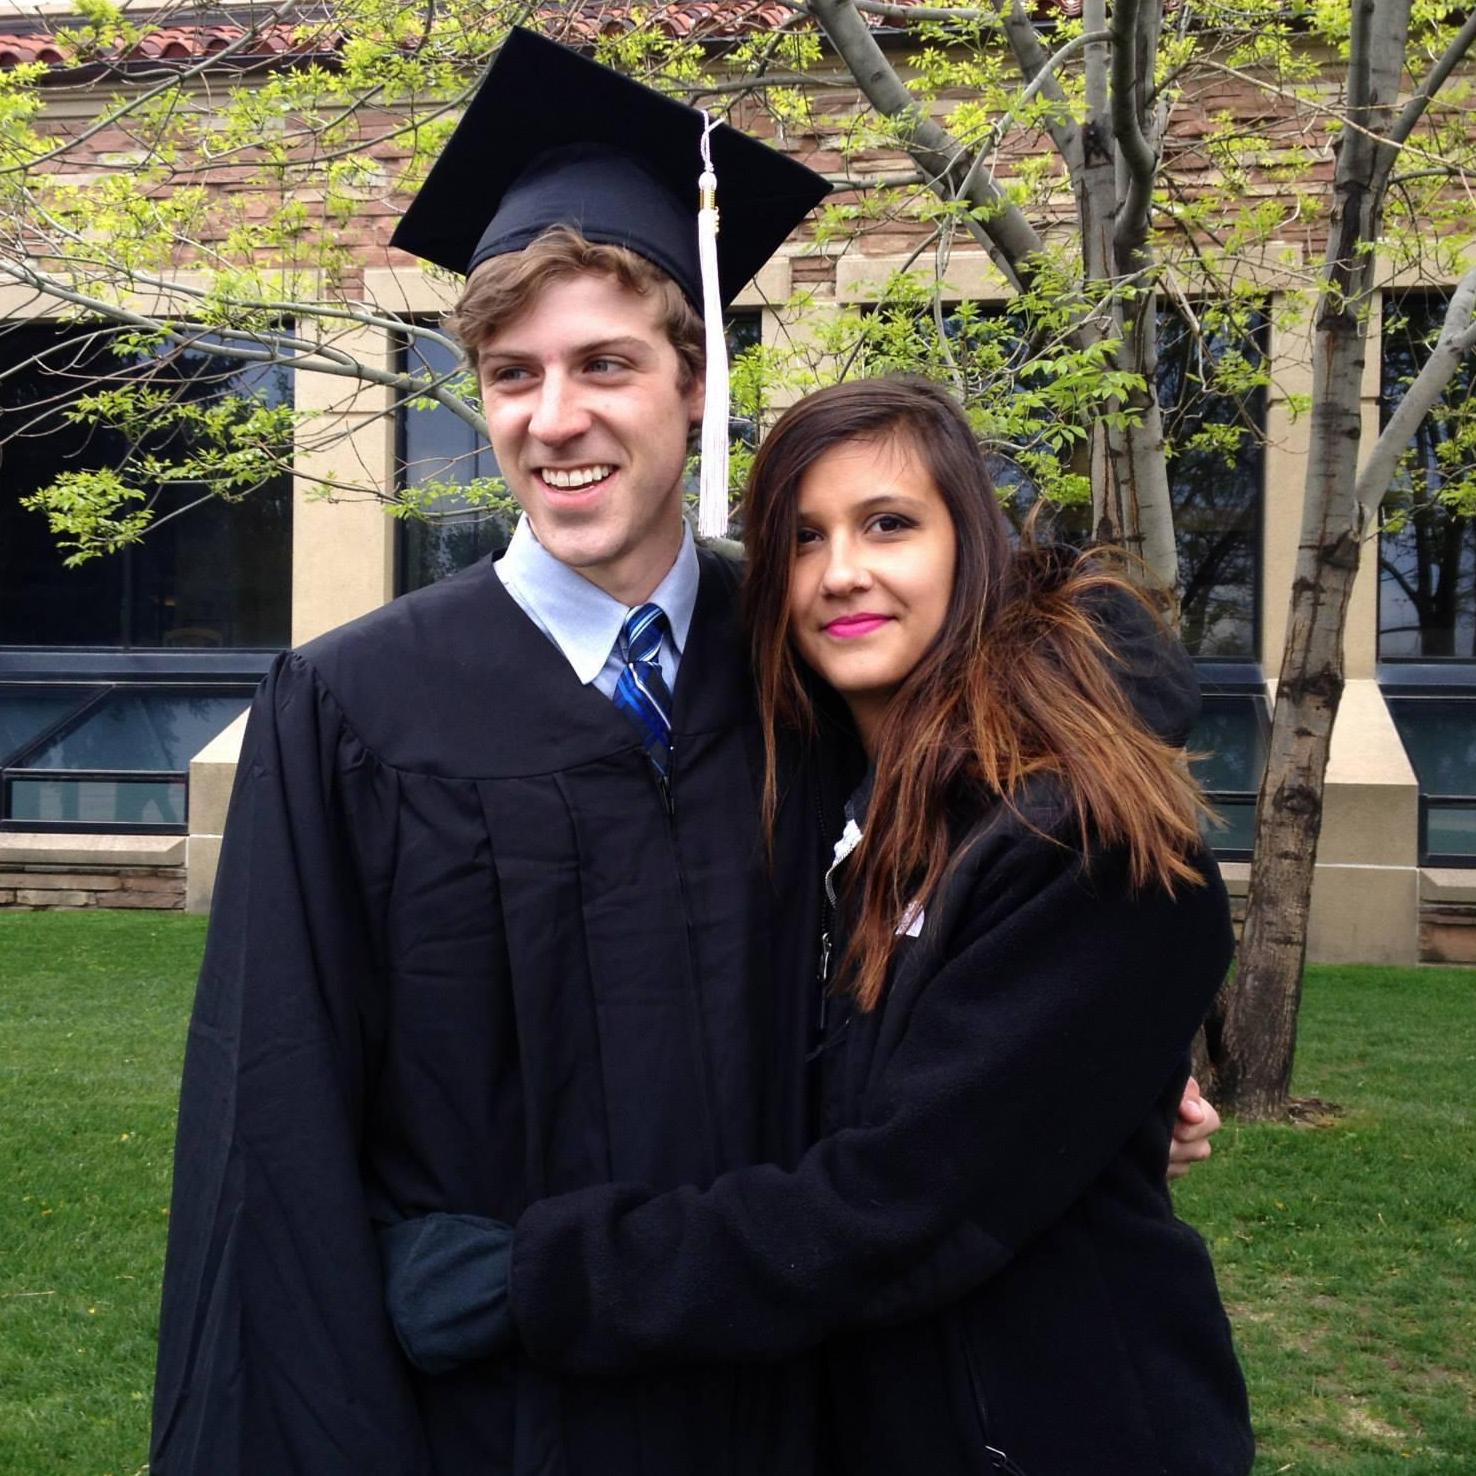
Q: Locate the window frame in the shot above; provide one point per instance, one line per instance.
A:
(1433, 679)
(1419, 666)
(198, 673)
(1232, 677)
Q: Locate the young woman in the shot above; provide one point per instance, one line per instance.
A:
(1023, 918)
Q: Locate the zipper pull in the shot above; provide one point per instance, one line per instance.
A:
(999, 1461)
(824, 963)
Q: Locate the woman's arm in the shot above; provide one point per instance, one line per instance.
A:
(969, 1146)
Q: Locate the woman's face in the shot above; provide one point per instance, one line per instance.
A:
(873, 570)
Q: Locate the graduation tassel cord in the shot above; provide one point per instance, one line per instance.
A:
(712, 498)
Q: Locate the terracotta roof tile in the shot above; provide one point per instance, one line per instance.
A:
(193, 43)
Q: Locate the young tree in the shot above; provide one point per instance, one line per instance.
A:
(230, 203)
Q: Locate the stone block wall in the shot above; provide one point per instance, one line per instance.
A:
(44, 872)
(44, 888)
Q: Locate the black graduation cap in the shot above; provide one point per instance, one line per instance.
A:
(552, 138)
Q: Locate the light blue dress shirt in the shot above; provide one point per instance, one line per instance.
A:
(582, 620)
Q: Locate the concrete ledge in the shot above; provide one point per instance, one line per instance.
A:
(1448, 884)
(87, 851)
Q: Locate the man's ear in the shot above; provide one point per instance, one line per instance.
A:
(697, 399)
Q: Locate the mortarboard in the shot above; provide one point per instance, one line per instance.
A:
(552, 138)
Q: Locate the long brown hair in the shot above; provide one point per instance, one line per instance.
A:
(1021, 681)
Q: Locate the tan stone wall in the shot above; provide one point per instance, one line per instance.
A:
(51, 871)
(46, 888)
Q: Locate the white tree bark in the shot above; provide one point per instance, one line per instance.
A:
(1252, 1042)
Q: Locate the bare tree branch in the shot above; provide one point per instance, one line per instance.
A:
(1138, 156)
(1457, 339)
(1030, 57)
(1005, 233)
(318, 358)
(1435, 79)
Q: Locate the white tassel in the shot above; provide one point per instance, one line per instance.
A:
(712, 497)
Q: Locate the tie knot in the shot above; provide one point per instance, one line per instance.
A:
(640, 636)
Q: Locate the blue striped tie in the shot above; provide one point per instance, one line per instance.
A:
(641, 691)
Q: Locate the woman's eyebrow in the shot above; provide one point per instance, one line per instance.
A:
(898, 500)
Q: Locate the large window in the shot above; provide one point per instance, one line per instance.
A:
(213, 575)
(437, 448)
(1214, 417)
(1228, 746)
(1427, 554)
(1439, 734)
(114, 674)
(434, 446)
(105, 756)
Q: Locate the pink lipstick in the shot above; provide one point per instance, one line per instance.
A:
(849, 627)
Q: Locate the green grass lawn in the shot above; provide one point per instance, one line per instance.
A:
(1345, 1251)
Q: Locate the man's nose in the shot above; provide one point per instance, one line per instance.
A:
(558, 414)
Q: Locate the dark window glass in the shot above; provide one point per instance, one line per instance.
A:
(435, 446)
(1439, 735)
(139, 731)
(1427, 556)
(1216, 493)
(1229, 748)
(119, 759)
(218, 574)
(26, 713)
(150, 804)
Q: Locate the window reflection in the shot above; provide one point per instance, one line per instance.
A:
(1229, 748)
(1427, 558)
(111, 756)
(216, 575)
(1439, 735)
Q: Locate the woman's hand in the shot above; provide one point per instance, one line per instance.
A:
(1198, 1122)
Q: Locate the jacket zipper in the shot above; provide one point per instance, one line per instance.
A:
(822, 972)
(998, 1461)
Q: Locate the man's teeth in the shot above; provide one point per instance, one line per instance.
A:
(578, 476)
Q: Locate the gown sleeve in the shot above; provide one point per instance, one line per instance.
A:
(1057, 992)
(274, 1351)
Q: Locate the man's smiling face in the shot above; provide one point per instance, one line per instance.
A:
(589, 423)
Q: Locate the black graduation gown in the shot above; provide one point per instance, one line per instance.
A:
(464, 957)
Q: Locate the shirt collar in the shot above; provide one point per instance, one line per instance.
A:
(583, 620)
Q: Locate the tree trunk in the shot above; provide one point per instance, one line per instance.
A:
(1253, 1038)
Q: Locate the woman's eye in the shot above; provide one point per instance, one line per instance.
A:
(890, 523)
(806, 535)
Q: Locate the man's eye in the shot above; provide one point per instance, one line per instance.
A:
(507, 374)
(605, 366)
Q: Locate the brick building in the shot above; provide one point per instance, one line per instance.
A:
(122, 684)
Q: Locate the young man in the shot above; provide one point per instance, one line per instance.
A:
(494, 919)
